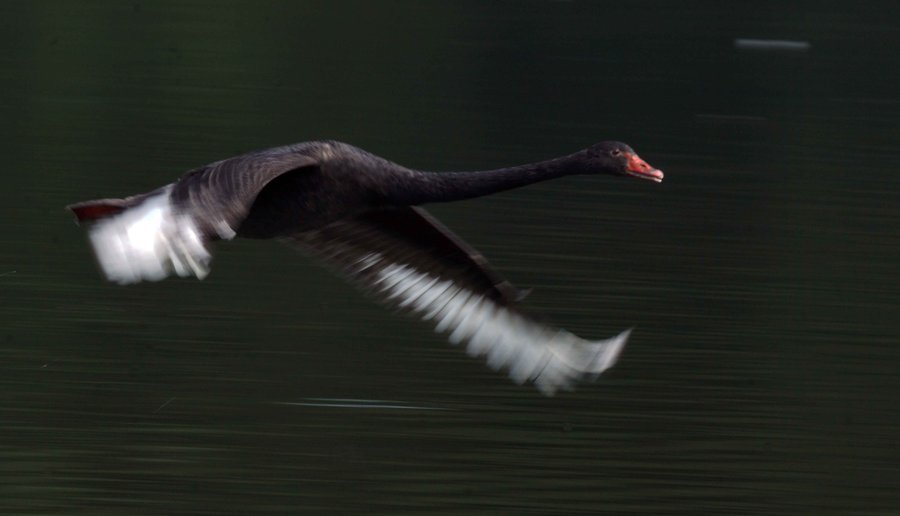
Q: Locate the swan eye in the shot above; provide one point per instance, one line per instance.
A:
(615, 153)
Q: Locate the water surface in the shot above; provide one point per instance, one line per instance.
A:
(761, 276)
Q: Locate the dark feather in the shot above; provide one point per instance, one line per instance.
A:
(405, 235)
(224, 191)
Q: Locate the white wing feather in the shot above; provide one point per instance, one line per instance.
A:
(553, 359)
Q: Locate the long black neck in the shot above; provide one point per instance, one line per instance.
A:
(414, 187)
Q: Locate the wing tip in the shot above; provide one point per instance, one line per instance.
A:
(604, 355)
(148, 241)
(612, 350)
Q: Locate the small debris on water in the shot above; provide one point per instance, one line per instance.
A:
(784, 45)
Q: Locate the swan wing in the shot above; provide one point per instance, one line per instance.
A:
(150, 236)
(405, 259)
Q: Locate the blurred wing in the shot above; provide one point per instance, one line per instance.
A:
(407, 260)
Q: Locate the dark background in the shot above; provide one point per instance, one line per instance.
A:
(762, 275)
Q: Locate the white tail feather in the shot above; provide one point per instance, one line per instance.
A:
(149, 242)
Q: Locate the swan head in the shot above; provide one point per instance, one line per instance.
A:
(619, 159)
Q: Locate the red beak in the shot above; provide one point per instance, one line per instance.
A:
(639, 168)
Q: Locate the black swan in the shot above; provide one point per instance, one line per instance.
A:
(359, 213)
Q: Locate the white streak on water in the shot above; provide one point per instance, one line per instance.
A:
(356, 404)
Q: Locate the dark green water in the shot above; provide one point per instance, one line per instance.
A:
(762, 275)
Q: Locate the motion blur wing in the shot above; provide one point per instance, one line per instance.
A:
(409, 261)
